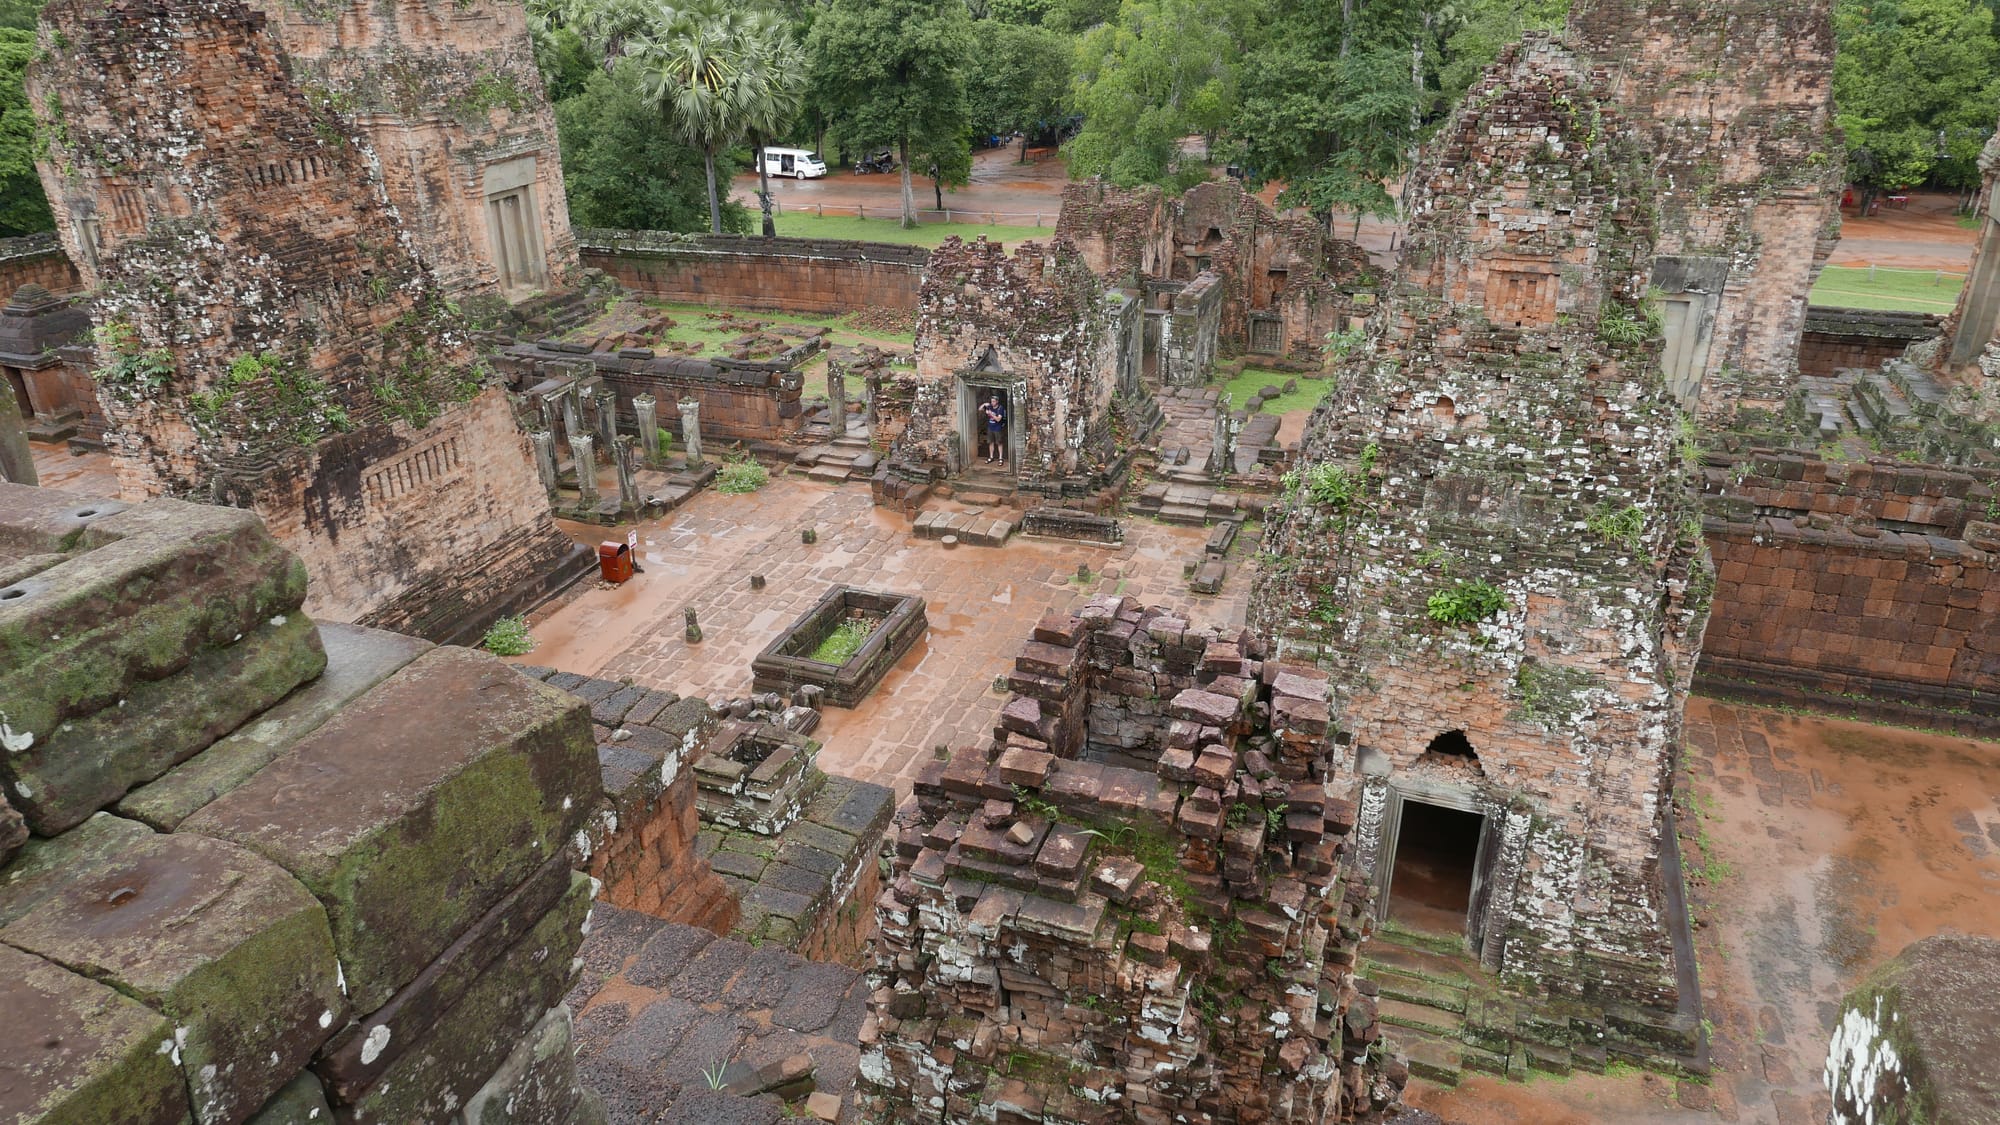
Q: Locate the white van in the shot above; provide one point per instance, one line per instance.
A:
(802, 163)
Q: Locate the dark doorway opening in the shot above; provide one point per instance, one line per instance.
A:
(990, 442)
(1437, 855)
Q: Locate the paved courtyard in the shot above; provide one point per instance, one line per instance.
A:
(981, 602)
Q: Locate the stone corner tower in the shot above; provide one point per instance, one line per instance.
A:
(1492, 547)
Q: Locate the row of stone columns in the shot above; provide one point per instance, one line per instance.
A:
(623, 449)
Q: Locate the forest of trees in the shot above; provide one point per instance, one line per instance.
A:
(658, 106)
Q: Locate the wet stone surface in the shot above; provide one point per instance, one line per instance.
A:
(662, 1007)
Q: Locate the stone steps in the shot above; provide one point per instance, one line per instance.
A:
(1420, 1017)
(1431, 1058)
(976, 528)
(1416, 989)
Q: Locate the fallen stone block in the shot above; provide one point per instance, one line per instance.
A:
(537, 1082)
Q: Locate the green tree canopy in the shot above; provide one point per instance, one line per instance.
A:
(893, 72)
(1912, 79)
(1165, 70)
(1021, 80)
(623, 166)
(24, 208)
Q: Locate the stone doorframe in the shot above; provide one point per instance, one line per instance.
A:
(973, 387)
(1484, 915)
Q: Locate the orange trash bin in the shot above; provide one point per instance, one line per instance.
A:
(614, 561)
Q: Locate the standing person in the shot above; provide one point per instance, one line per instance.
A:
(996, 426)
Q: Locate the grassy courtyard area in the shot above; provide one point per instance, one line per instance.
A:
(1241, 387)
(804, 224)
(1880, 288)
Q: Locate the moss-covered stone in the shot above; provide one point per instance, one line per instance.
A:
(44, 866)
(89, 762)
(1916, 1042)
(356, 660)
(501, 1009)
(144, 592)
(78, 1053)
(536, 1083)
(418, 807)
(246, 969)
(301, 1102)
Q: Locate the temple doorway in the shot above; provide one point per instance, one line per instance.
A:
(973, 396)
(1436, 867)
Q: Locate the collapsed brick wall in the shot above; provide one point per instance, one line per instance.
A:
(312, 370)
(1037, 324)
(1270, 268)
(1736, 103)
(37, 259)
(1149, 935)
(278, 872)
(1493, 533)
(1870, 588)
(786, 274)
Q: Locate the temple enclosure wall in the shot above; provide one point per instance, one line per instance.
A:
(789, 274)
(1866, 588)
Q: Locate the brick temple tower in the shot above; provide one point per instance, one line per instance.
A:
(268, 333)
(1492, 547)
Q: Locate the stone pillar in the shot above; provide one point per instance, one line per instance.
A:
(604, 401)
(545, 461)
(690, 409)
(572, 410)
(17, 460)
(836, 399)
(1218, 457)
(648, 409)
(551, 415)
(621, 459)
(586, 470)
(872, 385)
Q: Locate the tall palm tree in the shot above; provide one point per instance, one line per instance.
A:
(717, 71)
(780, 62)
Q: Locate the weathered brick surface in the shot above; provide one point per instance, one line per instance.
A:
(79, 1051)
(1735, 104)
(361, 424)
(1500, 435)
(1861, 586)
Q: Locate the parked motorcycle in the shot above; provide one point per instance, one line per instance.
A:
(883, 161)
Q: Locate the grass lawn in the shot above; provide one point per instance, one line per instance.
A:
(798, 224)
(1305, 398)
(1910, 290)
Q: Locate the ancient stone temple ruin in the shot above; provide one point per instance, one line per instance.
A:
(1038, 331)
(1492, 547)
(268, 334)
(1735, 112)
(1219, 270)
(1127, 906)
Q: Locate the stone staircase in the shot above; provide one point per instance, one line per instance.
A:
(839, 460)
(1186, 502)
(1899, 408)
(1449, 1016)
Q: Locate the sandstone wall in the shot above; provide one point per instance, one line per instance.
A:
(1865, 588)
(1859, 339)
(785, 274)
